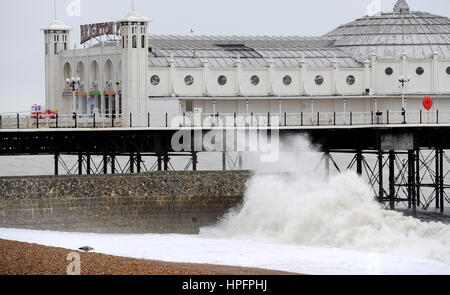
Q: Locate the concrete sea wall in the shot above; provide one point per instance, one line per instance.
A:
(160, 202)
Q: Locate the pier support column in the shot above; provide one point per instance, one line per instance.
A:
(392, 180)
(359, 162)
(437, 179)
(380, 176)
(56, 164)
(159, 162)
(194, 161)
(441, 178)
(138, 162)
(411, 181)
(327, 164)
(88, 164)
(113, 164)
(105, 164)
(418, 180)
(166, 162)
(224, 161)
(131, 163)
(80, 163)
(240, 161)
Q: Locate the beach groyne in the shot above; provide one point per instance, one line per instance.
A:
(159, 202)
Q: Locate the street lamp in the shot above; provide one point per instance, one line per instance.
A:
(73, 83)
(403, 80)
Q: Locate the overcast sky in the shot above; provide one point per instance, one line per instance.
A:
(22, 51)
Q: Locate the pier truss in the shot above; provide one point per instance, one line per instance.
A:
(407, 166)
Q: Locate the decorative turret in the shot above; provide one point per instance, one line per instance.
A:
(134, 32)
(57, 40)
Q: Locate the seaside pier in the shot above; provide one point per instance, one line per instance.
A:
(406, 164)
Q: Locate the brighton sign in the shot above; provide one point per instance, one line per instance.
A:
(92, 31)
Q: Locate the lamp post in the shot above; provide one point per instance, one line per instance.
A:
(73, 83)
(403, 80)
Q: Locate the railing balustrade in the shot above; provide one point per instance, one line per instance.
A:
(190, 119)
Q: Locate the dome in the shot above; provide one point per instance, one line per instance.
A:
(55, 25)
(387, 35)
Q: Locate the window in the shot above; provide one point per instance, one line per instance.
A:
(134, 41)
(46, 48)
(65, 46)
(123, 42)
(351, 80)
(189, 106)
(448, 70)
(389, 71)
(222, 80)
(287, 80)
(189, 80)
(254, 80)
(143, 41)
(56, 48)
(155, 80)
(319, 80)
(420, 71)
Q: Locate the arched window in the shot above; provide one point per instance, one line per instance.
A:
(134, 41)
(56, 48)
(65, 46)
(143, 41)
(46, 48)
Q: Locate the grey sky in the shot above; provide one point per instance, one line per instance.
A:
(22, 58)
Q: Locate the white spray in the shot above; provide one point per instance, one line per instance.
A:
(301, 208)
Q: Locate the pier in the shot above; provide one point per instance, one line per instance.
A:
(405, 161)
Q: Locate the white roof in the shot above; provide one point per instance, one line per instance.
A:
(135, 16)
(56, 25)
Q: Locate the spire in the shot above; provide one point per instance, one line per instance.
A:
(401, 7)
(134, 15)
(56, 24)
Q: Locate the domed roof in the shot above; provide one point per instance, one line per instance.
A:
(419, 34)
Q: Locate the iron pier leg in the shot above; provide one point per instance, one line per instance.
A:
(224, 161)
(131, 163)
(418, 176)
(392, 180)
(166, 161)
(437, 178)
(113, 164)
(105, 164)
(240, 161)
(380, 176)
(80, 163)
(412, 203)
(194, 161)
(88, 164)
(441, 183)
(138, 162)
(159, 162)
(56, 164)
(327, 164)
(359, 162)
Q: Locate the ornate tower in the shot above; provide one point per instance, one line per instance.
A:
(57, 40)
(134, 32)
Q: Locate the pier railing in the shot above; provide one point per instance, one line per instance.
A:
(27, 121)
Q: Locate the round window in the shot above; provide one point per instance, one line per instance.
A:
(155, 80)
(189, 80)
(254, 80)
(351, 80)
(222, 80)
(287, 80)
(448, 70)
(319, 80)
(389, 71)
(420, 71)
